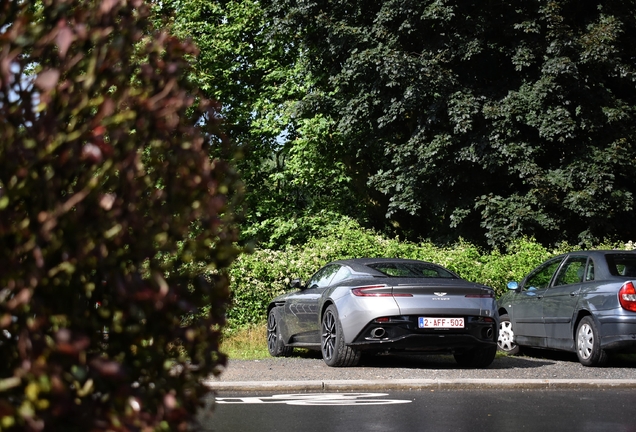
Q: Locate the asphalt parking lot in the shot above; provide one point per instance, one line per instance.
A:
(541, 369)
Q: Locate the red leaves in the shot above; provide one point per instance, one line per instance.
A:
(97, 149)
(71, 344)
(47, 79)
(64, 38)
(107, 6)
(110, 195)
(108, 368)
(21, 298)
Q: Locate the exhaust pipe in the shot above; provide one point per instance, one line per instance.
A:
(487, 333)
(378, 332)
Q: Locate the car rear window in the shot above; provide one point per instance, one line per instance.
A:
(622, 264)
(412, 270)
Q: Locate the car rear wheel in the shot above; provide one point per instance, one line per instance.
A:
(588, 344)
(506, 340)
(275, 344)
(334, 351)
(476, 357)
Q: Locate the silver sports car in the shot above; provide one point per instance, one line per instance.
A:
(382, 305)
(583, 302)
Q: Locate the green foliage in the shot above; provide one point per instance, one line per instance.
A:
(298, 171)
(105, 172)
(246, 343)
(485, 120)
(258, 277)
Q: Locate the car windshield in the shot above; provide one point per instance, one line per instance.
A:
(622, 264)
(412, 270)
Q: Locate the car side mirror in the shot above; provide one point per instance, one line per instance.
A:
(513, 286)
(296, 284)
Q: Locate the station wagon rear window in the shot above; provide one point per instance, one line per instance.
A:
(622, 264)
(412, 270)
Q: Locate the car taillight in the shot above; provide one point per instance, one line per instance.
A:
(373, 291)
(627, 296)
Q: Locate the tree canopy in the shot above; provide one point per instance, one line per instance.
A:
(438, 119)
(483, 120)
(294, 167)
(115, 222)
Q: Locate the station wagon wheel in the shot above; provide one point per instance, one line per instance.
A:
(506, 340)
(275, 344)
(588, 344)
(334, 351)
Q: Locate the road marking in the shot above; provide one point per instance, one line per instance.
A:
(315, 399)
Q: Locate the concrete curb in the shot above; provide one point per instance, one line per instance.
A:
(419, 384)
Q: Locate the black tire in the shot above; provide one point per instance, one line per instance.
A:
(506, 339)
(476, 358)
(588, 344)
(275, 344)
(334, 351)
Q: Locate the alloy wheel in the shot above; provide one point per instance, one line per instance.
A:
(328, 335)
(506, 337)
(585, 339)
(272, 333)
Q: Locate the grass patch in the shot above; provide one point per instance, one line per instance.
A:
(501, 354)
(246, 343)
(250, 343)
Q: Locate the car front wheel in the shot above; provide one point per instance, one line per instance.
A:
(334, 351)
(506, 341)
(588, 344)
(275, 344)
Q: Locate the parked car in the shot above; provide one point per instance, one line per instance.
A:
(382, 305)
(582, 302)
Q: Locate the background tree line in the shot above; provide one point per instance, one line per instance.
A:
(489, 120)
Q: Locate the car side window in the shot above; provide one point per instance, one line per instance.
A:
(342, 274)
(541, 277)
(572, 271)
(323, 277)
(621, 264)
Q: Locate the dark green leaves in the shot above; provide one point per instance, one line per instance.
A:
(482, 119)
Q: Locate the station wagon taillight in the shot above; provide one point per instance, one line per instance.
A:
(627, 296)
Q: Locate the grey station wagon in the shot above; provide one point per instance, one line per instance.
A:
(583, 302)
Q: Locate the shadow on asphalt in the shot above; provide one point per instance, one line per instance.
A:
(623, 361)
(530, 358)
(615, 360)
(444, 362)
(432, 361)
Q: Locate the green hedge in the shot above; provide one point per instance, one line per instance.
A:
(258, 277)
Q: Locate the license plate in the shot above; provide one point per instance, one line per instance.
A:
(425, 322)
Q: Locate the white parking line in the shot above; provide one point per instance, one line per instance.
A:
(316, 399)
